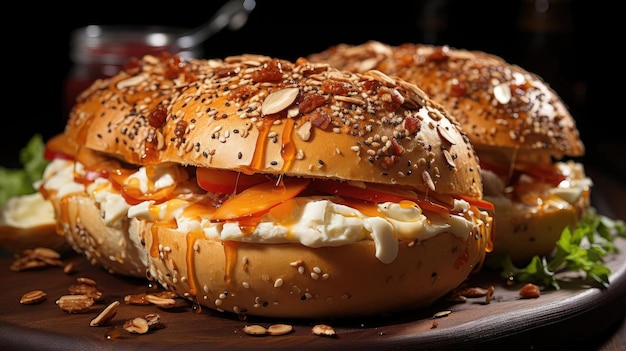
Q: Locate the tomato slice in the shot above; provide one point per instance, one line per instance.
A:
(377, 193)
(259, 199)
(49, 154)
(543, 173)
(480, 203)
(226, 182)
(497, 169)
(58, 147)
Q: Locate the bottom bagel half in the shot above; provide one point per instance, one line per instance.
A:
(90, 221)
(309, 256)
(295, 281)
(531, 215)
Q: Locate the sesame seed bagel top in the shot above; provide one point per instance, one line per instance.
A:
(257, 114)
(499, 105)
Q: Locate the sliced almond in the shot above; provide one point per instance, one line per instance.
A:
(449, 158)
(75, 303)
(136, 299)
(279, 329)
(87, 290)
(136, 326)
(254, 329)
(304, 132)
(33, 297)
(323, 330)
(153, 319)
(106, 315)
(442, 314)
(162, 302)
(445, 134)
(46, 252)
(279, 100)
(131, 82)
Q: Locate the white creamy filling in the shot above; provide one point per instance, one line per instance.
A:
(26, 211)
(563, 196)
(576, 184)
(163, 177)
(114, 206)
(316, 221)
(59, 176)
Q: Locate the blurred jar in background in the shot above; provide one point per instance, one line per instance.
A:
(101, 51)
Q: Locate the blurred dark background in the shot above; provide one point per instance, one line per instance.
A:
(561, 40)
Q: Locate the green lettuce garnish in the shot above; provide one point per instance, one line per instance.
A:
(15, 182)
(581, 249)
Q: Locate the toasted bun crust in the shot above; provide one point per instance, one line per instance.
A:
(256, 114)
(293, 281)
(497, 103)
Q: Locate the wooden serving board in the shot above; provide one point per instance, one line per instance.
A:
(568, 316)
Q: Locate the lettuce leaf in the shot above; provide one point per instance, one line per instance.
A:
(581, 249)
(21, 181)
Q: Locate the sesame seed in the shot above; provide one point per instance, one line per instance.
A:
(296, 263)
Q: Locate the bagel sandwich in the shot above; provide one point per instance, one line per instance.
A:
(259, 186)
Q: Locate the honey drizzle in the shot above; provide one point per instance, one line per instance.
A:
(192, 279)
(81, 137)
(260, 148)
(247, 224)
(154, 248)
(288, 149)
(64, 214)
(154, 230)
(230, 256)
